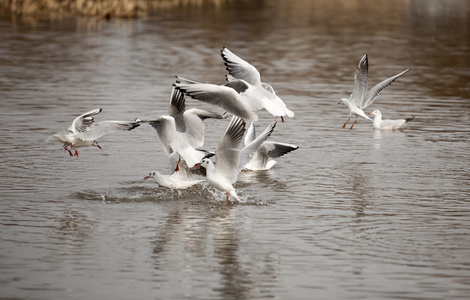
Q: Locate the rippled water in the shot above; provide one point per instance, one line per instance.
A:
(352, 214)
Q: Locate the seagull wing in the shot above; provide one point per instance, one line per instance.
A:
(195, 126)
(82, 122)
(177, 108)
(250, 134)
(375, 91)
(247, 152)
(97, 130)
(166, 130)
(239, 68)
(360, 81)
(278, 149)
(226, 152)
(223, 96)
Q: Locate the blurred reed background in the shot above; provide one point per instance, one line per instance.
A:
(50, 9)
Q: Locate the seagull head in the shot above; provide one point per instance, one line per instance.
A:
(342, 101)
(376, 113)
(205, 162)
(95, 143)
(151, 174)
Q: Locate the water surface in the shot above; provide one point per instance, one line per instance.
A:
(352, 214)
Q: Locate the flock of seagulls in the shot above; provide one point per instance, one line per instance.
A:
(181, 132)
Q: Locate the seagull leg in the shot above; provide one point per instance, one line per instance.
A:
(177, 165)
(65, 147)
(353, 124)
(346, 122)
(76, 152)
(227, 198)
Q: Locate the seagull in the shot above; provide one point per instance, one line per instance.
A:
(253, 145)
(241, 69)
(191, 121)
(84, 131)
(388, 124)
(238, 97)
(182, 179)
(263, 157)
(361, 98)
(183, 130)
(224, 174)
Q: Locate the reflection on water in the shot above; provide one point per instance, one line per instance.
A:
(351, 214)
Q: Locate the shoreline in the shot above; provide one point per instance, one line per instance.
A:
(104, 9)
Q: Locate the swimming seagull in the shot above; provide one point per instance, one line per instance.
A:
(263, 158)
(183, 131)
(241, 69)
(84, 131)
(182, 179)
(379, 123)
(224, 174)
(361, 98)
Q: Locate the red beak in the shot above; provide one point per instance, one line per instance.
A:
(98, 146)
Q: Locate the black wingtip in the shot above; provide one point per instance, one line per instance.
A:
(409, 119)
(134, 125)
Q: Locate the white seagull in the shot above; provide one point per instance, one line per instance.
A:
(183, 131)
(361, 98)
(238, 97)
(84, 131)
(241, 69)
(182, 179)
(191, 121)
(379, 123)
(224, 174)
(263, 158)
(253, 144)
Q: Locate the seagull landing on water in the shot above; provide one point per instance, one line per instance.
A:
(361, 98)
(84, 131)
(223, 175)
(379, 123)
(229, 160)
(183, 130)
(263, 157)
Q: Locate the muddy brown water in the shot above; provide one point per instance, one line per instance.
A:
(352, 214)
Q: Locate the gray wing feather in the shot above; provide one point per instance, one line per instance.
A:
(82, 122)
(360, 81)
(250, 134)
(239, 68)
(97, 130)
(276, 150)
(177, 108)
(166, 131)
(375, 91)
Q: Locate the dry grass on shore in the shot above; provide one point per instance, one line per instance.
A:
(90, 8)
